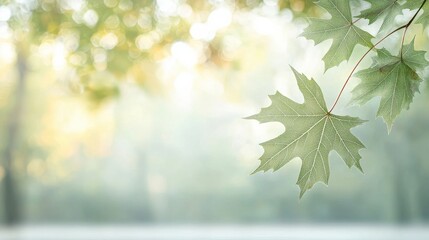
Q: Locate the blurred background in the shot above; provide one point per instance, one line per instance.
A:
(131, 112)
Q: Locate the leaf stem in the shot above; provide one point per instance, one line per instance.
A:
(403, 40)
(408, 24)
(369, 50)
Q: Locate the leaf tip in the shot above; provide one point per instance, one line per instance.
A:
(362, 121)
(301, 193)
(258, 169)
(300, 77)
(248, 117)
(389, 124)
(251, 117)
(359, 167)
(293, 70)
(255, 171)
(389, 128)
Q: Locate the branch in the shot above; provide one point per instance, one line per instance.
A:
(369, 50)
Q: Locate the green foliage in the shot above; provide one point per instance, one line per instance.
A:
(118, 35)
(311, 130)
(299, 7)
(424, 18)
(340, 28)
(385, 10)
(311, 133)
(394, 78)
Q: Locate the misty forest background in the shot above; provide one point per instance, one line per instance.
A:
(132, 111)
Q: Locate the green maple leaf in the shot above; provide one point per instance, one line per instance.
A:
(394, 79)
(424, 18)
(311, 133)
(340, 28)
(415, 4)
(382, 9)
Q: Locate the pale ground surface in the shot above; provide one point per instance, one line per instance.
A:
(328, 232)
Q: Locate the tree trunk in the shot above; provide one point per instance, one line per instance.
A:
(10, 190)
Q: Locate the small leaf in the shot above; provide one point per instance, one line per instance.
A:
(340, 28)
(424, 18)
(311, 133)
(415, 4)
(386, 10)
(412, 4)
(394, 79)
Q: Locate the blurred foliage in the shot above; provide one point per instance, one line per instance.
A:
(71, 54)
(117, 35)
(300, 7)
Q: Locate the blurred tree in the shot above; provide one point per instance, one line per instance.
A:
(104, 41)
(11, 199)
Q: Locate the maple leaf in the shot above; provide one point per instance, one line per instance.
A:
(382, 9)
(393, 78)
(340, 28)
(424, 18)
(311, 133)
(414, 4)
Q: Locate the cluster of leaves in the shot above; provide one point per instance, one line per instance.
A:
(312, 131)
